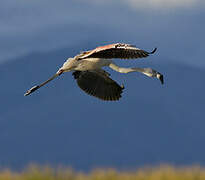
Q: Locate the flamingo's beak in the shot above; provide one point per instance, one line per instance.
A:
(161, 78)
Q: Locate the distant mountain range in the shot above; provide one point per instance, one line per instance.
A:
(61, 125)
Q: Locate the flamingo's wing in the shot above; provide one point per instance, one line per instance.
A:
(118, 50)
(97, 83)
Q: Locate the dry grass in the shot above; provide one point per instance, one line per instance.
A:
(159, 173)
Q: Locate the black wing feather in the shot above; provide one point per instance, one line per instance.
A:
(98, 84)
(118, 50)
(119, 53)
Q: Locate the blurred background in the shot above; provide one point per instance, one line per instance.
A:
(61, 125)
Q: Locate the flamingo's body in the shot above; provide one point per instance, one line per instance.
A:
(90, 76)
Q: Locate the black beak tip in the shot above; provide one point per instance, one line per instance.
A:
(161, 78)
(154, 50)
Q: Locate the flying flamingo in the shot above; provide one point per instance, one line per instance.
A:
(95, 81)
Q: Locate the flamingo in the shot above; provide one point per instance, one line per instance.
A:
(91, 78)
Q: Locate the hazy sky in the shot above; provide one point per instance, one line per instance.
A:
(175, 26)
(60, 124)
(153, 4)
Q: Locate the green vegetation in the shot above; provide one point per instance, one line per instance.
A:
(159, 173)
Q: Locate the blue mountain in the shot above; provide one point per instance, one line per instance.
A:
(61, 125)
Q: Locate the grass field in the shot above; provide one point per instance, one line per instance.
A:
(159, 173)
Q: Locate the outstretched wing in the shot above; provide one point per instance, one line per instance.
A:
(97, 83)
(118, 50)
